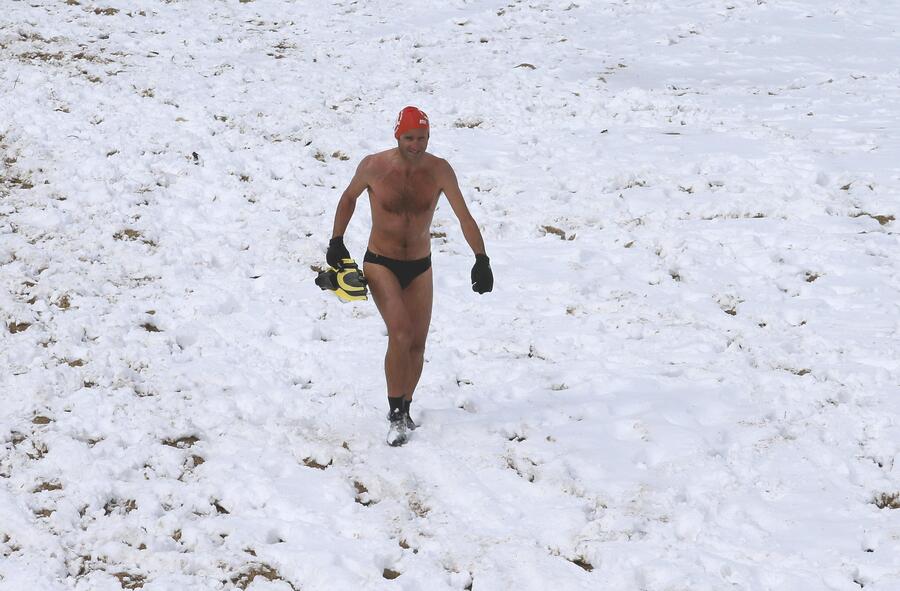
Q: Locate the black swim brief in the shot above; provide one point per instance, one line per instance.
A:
(405, 271)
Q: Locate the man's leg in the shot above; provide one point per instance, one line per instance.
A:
(390, 302)
(417, 300)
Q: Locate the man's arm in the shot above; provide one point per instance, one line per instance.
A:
(347, 203)
(482, 276)
(450, 187)
(337, 251)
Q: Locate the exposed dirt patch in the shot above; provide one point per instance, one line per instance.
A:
(130, 580)
(363, 497)
(312, 463)
(47, 487)
(243, 579)
(582, 563)
(119, 506)
(881, 219)
(181, 442)
(887, 500)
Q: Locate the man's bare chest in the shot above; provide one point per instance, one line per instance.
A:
(405, 194)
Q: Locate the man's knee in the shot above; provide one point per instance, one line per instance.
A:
(401, 336)
(417, 345)
(409, 339)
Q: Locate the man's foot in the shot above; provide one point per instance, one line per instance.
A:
(397, 432)
(406, 418)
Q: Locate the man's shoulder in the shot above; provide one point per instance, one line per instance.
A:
(383, 154)
(440, 166)
(377, 159)
(368, 165)
(435, 162)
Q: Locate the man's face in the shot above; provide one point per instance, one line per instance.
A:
(413, 143)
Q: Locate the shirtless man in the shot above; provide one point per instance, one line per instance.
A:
(404, 185)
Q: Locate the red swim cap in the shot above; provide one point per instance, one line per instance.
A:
(410, 118)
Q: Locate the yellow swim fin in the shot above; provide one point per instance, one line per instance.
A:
(347, 281)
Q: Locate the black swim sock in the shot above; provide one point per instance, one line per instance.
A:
(397, 405)
(410, 424)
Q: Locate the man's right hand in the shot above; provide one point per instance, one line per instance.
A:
(336, 252)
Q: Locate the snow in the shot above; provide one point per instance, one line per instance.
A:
(686, 377)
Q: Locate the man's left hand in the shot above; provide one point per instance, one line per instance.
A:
(482, 276)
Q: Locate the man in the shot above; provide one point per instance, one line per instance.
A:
(404, 184)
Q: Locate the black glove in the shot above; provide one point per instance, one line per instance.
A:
(482, 277)
(336, 251)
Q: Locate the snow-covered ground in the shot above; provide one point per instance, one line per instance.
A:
(686, 378)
